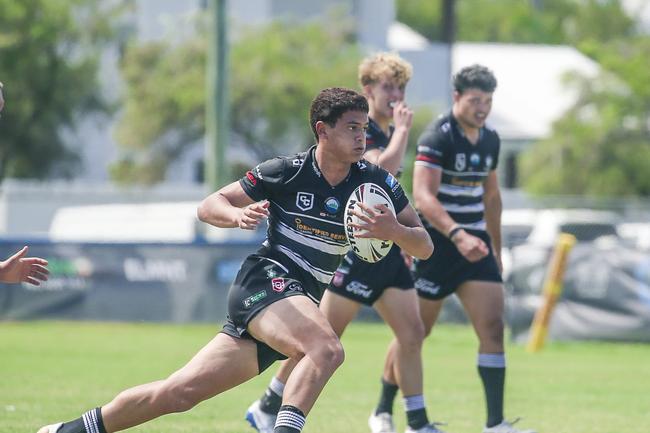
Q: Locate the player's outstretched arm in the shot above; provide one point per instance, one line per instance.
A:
(21, 269)
(232, 207)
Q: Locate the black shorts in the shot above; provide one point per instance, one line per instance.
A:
(441, 274)
(365, 282)
(260, 282)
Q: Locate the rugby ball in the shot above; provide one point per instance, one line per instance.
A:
(368, 249)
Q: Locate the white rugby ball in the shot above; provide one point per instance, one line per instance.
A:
(368, 249)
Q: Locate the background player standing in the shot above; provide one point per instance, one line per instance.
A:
(456, 192)
(386, 286)
(272, 304)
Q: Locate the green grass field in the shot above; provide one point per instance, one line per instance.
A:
(53, 371)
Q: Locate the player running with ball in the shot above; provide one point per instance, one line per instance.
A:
(273, 303)
(386, 286)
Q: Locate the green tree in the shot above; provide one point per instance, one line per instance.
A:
(601, 147)
(49, 53)
(275, 73)
(521, 21)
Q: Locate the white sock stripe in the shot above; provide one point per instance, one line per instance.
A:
(276, 386)
(413, 402)
(93, 418)
(494, 360)
(90, 422)
(290, 419)
(86, 423)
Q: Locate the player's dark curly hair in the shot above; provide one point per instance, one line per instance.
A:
(474, 77)
(330, 104)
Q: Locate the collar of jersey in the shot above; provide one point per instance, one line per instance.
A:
(311, 159)
(374, 125)
(460, 131)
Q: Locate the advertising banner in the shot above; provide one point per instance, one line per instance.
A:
(126, 282)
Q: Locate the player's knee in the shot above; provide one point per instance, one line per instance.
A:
(329, 353)
(427, 330)
(493, 331)
(412, 337)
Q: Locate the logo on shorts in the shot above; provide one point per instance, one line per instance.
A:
(294, 287)
(277, 284)
(359, 289)
(305, 201)
(254, 299)
(426, 286)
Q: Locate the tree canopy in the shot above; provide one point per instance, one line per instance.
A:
(521, 21)
(601, 146)
(49, 55)
(275, 73)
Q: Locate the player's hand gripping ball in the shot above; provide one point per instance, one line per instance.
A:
(369, 249)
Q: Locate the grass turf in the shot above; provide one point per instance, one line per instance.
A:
(53, 371)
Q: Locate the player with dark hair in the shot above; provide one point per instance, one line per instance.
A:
(387, 285)
(457, 195)
(273, 303)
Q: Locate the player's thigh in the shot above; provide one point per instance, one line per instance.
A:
(484, 304)
(400, 310)
(292, 326)
(222, 364)
(338, 310)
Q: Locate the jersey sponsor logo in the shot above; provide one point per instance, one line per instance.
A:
(488, 162)
(445, 127)
(305, 201)
(307, 229)
(427, 286)
(391, 181)
(362, 165)
(251, 177)
(461, 162)
(277, 284)
(359, 289)
(332, 205)
(474, 159)
(296, 162)
(254, 299)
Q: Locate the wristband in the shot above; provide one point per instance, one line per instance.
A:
(453, 231)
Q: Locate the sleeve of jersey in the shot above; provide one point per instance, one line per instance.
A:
(430, 149)
(261, 182)
(395, 191)
(497, 151)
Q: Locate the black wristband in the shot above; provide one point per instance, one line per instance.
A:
(453, 231)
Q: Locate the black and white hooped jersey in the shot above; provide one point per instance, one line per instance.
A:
(377, 139)
(465, 167)
(305, 224)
